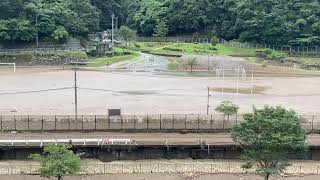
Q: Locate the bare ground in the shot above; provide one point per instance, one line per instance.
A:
(163, 177)
(148, 93)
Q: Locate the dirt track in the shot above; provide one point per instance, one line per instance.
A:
(164, 177)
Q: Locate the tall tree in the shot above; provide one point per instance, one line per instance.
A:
(268, 136)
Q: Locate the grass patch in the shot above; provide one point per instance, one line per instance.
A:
(149, 46)
(252, 59)
(102, 61)
(208, 49)
(173, 65)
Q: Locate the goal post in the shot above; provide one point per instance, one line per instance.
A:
(9, 64)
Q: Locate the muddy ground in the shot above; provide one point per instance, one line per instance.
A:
(148, 93)
(163, 177)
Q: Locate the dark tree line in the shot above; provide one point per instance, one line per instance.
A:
(278, 22)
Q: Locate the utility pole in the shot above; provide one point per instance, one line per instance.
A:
(37, 35)
(208, 100)
(75, 94)
(112, 33)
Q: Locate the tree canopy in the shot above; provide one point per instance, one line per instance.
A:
(292, 22)
(57, 161)
(268, 137)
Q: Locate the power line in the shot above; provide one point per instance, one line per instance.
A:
(95, 89)
(36, 91)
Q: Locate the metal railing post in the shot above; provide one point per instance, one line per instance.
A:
(82, 128)
(15, 123)
(55, 123)
(28, 123)
(172, 121)
(185, 122)
(42, 123)
(147, 122)
(160, 122)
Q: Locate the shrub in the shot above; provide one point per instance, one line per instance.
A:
(214, 41)
(173, 49)
(277, 56)
(136, 45)
(273, 55)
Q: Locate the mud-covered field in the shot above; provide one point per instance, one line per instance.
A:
(148, 92)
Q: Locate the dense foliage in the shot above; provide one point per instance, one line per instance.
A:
(57, 161)
(268, 137)
(295, 22)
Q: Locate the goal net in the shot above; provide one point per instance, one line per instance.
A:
(8, 67)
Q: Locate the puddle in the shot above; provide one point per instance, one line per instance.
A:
(255, 90)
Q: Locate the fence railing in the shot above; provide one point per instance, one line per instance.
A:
(158, 168)
(189, 39)
(161, 122)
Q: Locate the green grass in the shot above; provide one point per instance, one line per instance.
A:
(252, 59)
(208, 49)
(150, 46)
(173, 65)
(97, 62)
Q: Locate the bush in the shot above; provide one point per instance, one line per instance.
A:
(273, 55)
(173, 49)
(277, 56)
(214, 41)
(264, 64)
(136, 45)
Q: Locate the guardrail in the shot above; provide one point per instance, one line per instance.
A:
(159, 168)
(72, 142)
(161, 122)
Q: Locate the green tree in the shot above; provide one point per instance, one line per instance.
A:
(227, 108)
(195, 37)
(214, 40)
(192, 62)
(60, 35)
(268, 136)
(57, 161)
(126, 33)
(161, 30)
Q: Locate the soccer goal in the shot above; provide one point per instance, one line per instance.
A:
(9, 66)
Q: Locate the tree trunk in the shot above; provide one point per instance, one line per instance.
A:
(267, 177)
(60, 177)
(191, 68)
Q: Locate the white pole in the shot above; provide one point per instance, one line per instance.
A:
(238, 81)
(222, 79)
(252, 81)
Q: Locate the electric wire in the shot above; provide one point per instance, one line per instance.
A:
(35, 91)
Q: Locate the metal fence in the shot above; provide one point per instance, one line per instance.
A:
(161, 122)
(203, 39)
(158, 168)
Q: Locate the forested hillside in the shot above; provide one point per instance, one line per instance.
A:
(279, 22)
